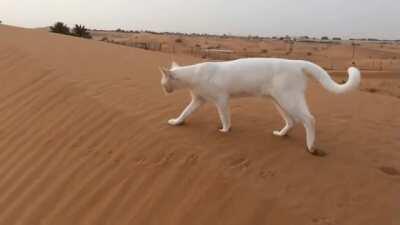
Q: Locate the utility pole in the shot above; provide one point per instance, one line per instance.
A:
(354, 49)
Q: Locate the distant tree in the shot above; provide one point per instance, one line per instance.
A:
(61, 28)
(336, 38)
(81, 31)
(325, 38)
(0, 21)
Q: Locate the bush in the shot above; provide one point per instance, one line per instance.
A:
(309, 53)
(325, 38)
(81, 31)
(178, 40)
(60, 28)
(78, 30)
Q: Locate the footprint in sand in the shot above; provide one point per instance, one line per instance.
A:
(342, 118)
(191, 160)
(324, 221)
(140, 161)
(389, 170)
(240, 162)
(265, 173)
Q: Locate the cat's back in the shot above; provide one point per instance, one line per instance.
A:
(251, 69)
(253, 63)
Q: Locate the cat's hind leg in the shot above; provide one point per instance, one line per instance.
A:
(307, 119)
(289, 123)
(223, 110)
(196, 102)
(309, 124)
(294, 104)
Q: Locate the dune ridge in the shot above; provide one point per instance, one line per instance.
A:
(84, 140)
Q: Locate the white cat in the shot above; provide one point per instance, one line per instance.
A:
(283, 80)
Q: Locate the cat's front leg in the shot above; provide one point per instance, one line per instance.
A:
(194, 104)
(288, 120)
(224, 114)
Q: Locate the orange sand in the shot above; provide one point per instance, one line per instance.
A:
(84, 140)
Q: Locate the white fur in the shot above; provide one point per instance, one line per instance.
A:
(283, 80)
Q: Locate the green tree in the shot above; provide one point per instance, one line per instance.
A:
(61, 28)
(81, 31)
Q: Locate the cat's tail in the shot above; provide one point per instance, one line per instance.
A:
(326, 81)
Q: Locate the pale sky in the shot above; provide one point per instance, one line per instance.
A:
(344, 18)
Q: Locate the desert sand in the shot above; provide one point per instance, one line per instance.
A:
(84, 140)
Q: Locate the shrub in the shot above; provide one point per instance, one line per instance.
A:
(81, 31)
(60, 28)
(264, 51)
(309, 53)
(178, 40)
(325, 38)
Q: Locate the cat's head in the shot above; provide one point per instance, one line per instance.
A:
(167, 79)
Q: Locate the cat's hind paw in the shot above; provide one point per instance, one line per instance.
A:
(224, 130)
(175, 122)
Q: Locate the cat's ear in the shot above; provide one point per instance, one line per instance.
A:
(174, 65)
(165, 72)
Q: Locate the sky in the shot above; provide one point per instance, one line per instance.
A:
(316, 18)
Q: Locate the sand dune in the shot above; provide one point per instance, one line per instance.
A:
(84, 140)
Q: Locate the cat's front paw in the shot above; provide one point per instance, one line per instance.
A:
(175, 122)
(278, 133)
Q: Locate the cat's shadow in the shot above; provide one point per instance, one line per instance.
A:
(319, 153)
